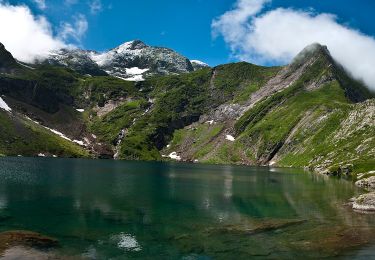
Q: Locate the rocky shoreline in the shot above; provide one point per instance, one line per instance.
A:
(362, 203)
(365, 202)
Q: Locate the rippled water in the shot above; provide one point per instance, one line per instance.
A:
(124, 210)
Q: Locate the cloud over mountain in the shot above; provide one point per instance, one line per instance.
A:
(25, 35)
(277, 35)
(28, 36)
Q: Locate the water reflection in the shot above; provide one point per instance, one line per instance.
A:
(170, 209)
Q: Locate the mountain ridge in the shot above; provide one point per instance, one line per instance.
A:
(236, 113)
(129, 56)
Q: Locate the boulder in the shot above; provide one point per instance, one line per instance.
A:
(367, 183)
(364, 202)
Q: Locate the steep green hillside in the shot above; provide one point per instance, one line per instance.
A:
(21, 136)
(175, 102)
(300, 125)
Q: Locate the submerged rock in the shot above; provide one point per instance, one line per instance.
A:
(255, 228)
(23, 238)
(23, 253)
(364, 202)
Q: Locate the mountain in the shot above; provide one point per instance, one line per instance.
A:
(7, 63)
(132, 61)
(75, 59)
(310, 113)
(296, 118)
(197, 64)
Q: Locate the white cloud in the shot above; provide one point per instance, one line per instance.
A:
(233, 24)
(25, 35)
(95, 6)
(75, 31)
(41, 4)
(278, 35)
(29, 37)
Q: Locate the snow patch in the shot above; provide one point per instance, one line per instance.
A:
(79, 142)
(126, 47)
(199, 63)
(100, 59)
(41, 155)
(80, 110)
(135, 71)
(174, 156)
(136, 78)
(210, 122)
(57, 133)
(230, 138)
(4, 105)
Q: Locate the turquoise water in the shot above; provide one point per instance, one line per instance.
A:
(136, 210)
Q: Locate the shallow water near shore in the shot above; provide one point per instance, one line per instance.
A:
(100, 209)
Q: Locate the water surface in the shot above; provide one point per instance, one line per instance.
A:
(136, 210)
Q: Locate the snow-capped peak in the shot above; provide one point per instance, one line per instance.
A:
(132, 45)
(132, 60)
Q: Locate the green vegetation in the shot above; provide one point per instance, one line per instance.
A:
(109, 126)
(23, 137)
(179, 101)
(97, 90)
(301, 125)
(238, 80)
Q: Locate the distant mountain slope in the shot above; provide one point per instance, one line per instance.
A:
(310, 113)
(197, 64)
(132, 61)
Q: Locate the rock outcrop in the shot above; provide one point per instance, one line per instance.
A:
(364, 202)
(367, 183)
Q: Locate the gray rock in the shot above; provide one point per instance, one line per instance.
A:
(364, 202)
(131, 60)
(367, 183)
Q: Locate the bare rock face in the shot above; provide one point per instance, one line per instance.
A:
(364, 202)
(359, 119)
(284, 79)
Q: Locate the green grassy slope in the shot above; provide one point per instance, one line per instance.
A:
(296, 127)
(20, 136)
(180, 100)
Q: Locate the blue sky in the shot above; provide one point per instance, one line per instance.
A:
(183, 25)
